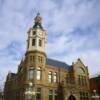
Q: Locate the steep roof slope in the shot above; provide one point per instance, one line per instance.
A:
(56, 63)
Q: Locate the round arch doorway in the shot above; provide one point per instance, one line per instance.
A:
(71, 97)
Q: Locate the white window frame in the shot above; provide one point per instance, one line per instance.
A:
(50, 77)
(31, 73)
(39, 73)
(55, 77)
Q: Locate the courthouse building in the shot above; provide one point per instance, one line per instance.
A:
(41, 78)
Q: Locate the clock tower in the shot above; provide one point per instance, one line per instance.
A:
(35, 54)
(36, 36)
(35, 57)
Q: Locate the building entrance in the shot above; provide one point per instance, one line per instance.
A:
(71, 98)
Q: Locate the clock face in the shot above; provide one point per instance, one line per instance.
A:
(40, 33)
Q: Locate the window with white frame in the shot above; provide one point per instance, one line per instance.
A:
(50, 77)
(39, 73)
(31, 73)
(55, 77)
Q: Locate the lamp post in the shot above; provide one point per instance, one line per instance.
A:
(29, 91)
(95, 95)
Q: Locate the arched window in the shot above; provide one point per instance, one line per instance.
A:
(81, 71)
(81, 76)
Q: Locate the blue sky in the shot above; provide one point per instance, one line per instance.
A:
(73, 31)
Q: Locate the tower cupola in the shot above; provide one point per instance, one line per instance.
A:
(38, 21)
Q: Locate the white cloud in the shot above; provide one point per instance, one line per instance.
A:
(61, 19)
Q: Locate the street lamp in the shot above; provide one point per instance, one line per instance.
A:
(95, 96)
(29, 91)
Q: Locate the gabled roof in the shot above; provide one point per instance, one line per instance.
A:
(56, 63)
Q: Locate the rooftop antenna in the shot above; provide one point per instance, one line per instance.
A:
(38, 14)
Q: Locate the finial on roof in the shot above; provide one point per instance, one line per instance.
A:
(38, 18)
(38, 21)
(78, 59)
